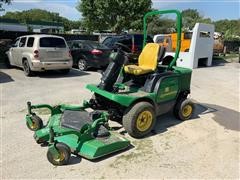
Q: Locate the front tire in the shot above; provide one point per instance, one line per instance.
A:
(26, 68)
(64, 155)
(139, 120)
(184, 109)
(37, 123)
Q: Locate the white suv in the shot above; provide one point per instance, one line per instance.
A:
(40, 53)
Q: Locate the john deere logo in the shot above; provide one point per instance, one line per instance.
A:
(167, 89)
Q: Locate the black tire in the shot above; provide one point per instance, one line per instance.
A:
(131, 119)
(186, 50)
(26, 68)
(65, 71)
(65, 154)
(82, 65)
(181, 107)
(37, 123)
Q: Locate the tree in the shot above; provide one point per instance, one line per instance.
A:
(160, 25)
(191, 17)
(4, 1)
(230, 28)
(42, 15)
(115, 15)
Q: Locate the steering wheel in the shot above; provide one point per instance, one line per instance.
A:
(123, 47)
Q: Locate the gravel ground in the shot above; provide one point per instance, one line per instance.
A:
(206, 146)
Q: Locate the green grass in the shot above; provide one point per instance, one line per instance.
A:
(231, 56)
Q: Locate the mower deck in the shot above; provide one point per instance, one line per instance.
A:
(82, 132)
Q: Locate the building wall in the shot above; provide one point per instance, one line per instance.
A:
(37, 28)
(24, 28)
(13, 27)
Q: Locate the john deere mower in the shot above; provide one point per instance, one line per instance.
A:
(132, 94)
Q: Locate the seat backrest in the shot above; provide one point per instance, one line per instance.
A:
(149, 56)
(161, 53)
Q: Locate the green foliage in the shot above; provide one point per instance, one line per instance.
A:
(160, 25)
(4, 1)
(42, 15)
(191, 17)
(230, 28)
(116, 15)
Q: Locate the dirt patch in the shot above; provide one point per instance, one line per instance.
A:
(142, 151)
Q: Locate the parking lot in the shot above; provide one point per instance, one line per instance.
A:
(206, 146)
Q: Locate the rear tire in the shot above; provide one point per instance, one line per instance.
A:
(139, 120)
(183, 109)
(26, 68)
(65, 154)
(82, 64)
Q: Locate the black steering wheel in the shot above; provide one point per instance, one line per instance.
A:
(123, 47)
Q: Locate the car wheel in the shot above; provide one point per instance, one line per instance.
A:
(26, 68)
(139, 120)
(82, 65)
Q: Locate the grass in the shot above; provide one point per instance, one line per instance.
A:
(231, 56)
(143, 149)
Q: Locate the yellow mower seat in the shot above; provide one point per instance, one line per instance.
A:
(147, 61)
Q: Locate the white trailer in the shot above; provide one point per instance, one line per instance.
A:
(201, 48)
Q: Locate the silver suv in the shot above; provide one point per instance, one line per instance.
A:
(40, 53)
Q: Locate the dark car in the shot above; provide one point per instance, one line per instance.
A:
(89, 54)
(5, 45)
(134, 42)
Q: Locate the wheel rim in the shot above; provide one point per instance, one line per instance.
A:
(61, 157)
(81, 65)
(34, 125)
(144, 121)
(26, 68)
(187, 110)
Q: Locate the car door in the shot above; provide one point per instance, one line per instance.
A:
(12, 53)
(20, 50)
(76, 51)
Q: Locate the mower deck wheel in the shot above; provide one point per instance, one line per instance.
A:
(64, 155)
(139, 119)
(184, 109)
(37, 123)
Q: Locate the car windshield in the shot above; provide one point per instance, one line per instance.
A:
(96, 45)
(138, 39)
(52, 42)
(160, 39)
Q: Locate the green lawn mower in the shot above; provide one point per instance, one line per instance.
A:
(132, 94)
